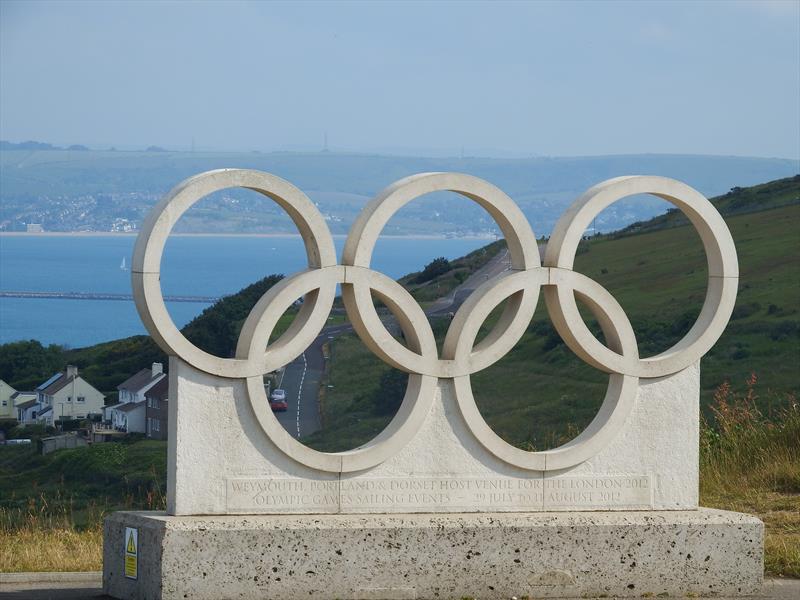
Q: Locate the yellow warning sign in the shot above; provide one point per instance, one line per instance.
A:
(131, 552)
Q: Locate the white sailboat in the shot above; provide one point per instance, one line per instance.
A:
(123, 266)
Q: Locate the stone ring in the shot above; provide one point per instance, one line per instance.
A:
(256, 355)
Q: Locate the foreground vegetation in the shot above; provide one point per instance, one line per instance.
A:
(749, 462)
(53, 506)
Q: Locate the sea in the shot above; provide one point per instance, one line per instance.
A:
(195, 265)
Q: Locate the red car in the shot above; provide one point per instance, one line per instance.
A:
(277, 401)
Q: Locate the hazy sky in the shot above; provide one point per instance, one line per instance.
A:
(497, 79)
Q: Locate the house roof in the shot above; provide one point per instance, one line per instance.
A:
(49, 382)
(112, 405)
(57, 385)
(45, 411)
(159, 390)
(16, 395)
(59, 381)
(27, 404)
(129, 406)
(140, 380)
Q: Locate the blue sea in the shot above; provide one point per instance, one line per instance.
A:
(192, 266)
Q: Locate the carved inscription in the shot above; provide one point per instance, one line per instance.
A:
(437, 494)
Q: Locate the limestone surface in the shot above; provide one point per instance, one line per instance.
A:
(493, 555)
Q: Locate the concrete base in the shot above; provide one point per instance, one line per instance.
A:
(495, 555)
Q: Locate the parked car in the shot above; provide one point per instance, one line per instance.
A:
(277, 401)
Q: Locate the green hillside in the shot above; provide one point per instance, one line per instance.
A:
(540, 394)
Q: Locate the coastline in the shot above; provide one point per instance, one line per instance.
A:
(90, 234)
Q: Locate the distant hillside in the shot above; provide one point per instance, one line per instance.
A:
(774, 194)
(80, 190)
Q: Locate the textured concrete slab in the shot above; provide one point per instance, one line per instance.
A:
(499, 555)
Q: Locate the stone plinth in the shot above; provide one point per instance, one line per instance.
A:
(487, 555)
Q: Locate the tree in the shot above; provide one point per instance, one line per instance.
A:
(438, 266)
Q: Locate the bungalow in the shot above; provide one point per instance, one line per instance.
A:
(157, 410)
(23, 402)
(27, 411)
(67, 395)
(128, 414)
(128, 417)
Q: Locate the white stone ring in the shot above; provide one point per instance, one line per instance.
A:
(461, 356)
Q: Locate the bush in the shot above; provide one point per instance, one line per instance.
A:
(743, 311)
(68, 424)
(438, 266)
(6, 425)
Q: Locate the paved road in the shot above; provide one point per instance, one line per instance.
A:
(774, 589)
(301, 378)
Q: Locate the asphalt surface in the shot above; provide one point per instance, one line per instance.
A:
(301, 378)
(774, 589)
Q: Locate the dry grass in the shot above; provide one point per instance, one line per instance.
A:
(59, 549)
(43, 537)
(750, 463)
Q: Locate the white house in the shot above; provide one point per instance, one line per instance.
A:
(134, 388)
(129, 417)
(128, 414)
(24, 406)
(7, 401)
(67, 395)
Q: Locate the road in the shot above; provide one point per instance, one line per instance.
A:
(301, 378)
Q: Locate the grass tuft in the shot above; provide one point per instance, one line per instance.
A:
(750, 462)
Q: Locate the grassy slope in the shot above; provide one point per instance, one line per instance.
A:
(659, 278)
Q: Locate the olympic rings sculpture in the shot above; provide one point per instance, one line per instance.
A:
(256, 355)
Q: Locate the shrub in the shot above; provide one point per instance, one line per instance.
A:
(438, 266)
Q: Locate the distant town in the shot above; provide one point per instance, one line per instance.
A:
(77, 189)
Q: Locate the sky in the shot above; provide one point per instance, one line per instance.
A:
(489, 79)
